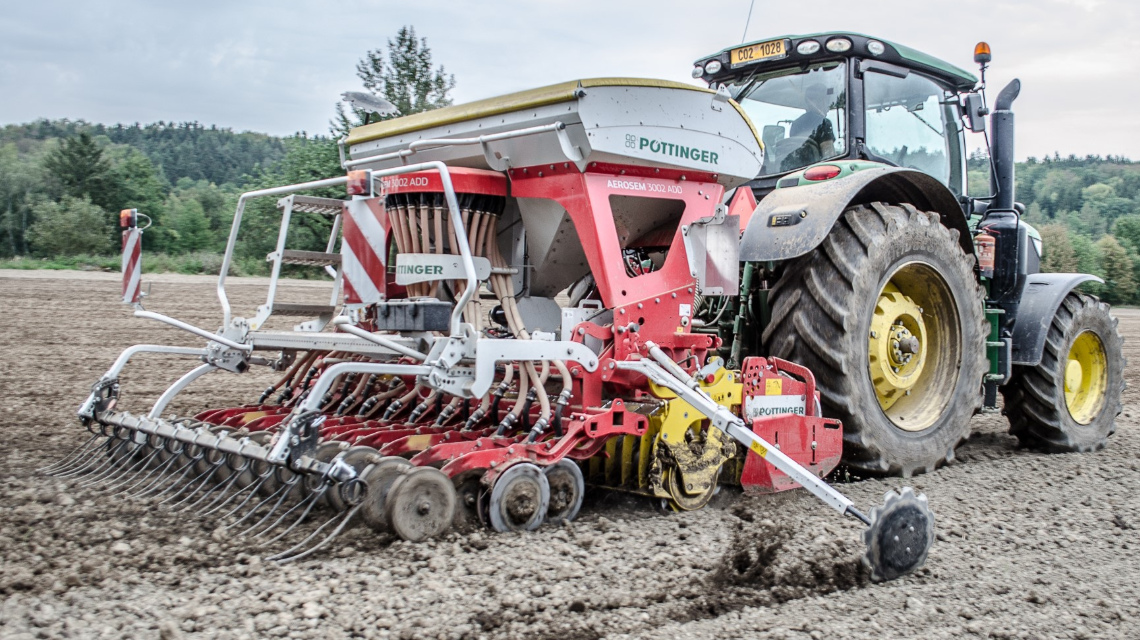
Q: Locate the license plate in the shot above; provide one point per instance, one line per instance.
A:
(770, 50)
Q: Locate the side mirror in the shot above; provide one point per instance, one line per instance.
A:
(975, 112)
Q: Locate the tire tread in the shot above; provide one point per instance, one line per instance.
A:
(814, 300)
(1035, 395)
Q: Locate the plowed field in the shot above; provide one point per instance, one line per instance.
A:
(1029, 545)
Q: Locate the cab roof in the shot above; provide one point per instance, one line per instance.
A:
(902, 55)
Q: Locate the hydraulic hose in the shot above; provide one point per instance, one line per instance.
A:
(399, 403)
(287, 376)
(491, 401)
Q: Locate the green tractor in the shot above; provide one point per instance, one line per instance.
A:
(913, 301)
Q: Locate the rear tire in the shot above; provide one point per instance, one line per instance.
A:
(824, 314)
(1040, 414)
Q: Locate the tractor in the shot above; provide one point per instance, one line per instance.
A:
(912, 301)
(637, 285)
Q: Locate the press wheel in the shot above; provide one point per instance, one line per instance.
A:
(567, 488)
(519, 499)
(421, 504)
(358, 458)
(679, 496)
(471, 498)
(379, 480)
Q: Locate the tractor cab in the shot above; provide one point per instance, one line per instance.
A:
(843, 96)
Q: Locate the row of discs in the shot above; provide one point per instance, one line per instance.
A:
(417, 503)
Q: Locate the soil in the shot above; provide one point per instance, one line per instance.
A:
(1029, 545)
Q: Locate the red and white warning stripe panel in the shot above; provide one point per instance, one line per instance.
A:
(132, 256)
(364, 251)
(364, 240)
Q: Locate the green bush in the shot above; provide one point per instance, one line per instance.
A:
(70, 227)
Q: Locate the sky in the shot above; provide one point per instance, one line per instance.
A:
(279, 67)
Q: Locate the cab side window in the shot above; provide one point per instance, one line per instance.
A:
(907, 124)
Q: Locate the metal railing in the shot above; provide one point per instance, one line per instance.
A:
(227, 259)
(453, 213)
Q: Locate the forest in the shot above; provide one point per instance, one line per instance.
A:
(63, 183)
(1088, 213)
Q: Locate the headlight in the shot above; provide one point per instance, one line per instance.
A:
(713, 66)
(698, 71)
(838, 45)
(875, 47)
(807, 47)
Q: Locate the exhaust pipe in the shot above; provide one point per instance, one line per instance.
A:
(1001, 121)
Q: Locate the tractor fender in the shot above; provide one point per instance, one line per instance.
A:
(1040, 300)
(792, 221)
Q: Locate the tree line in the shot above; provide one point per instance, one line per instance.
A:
(1087, 210)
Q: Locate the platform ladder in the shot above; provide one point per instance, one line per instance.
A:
(322, 314)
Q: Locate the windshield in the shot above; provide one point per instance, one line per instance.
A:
(801, 114)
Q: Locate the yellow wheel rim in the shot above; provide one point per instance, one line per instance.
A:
(914, 346)
(1086, 377)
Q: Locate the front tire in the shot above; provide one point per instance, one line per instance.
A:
(888, 315)
(1069, 401)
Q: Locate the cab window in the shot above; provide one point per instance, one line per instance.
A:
(910, 122)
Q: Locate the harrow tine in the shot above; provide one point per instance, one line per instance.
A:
(66, 460)
(91, 461)
(224, 486)
(193, 485)
(111, 474)
(344, 520)
(106, 470)
(308, 503)
(128, 465)
(285, 490)
(186, 468)
(132, 471)
(235, 474)
(261, 480)
(84, 459)
(101, 439)
(311, 502)
(157, 470)
(101, 470)
(254, 486)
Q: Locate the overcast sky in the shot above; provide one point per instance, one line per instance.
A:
(279, 67)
